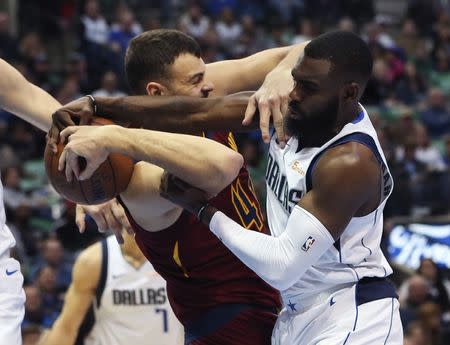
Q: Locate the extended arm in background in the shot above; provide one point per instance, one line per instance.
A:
(79, 297)
(22, 98)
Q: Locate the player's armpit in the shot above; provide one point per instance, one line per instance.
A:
(143, 201)
(85, 277)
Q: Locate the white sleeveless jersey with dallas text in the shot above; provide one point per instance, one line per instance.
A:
(134, 308)
(357, 253)
(6, 238)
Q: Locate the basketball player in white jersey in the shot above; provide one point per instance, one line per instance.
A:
(326, 193)
(128, 297)
(34, 105)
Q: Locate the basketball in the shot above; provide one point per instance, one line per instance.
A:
(109, 180)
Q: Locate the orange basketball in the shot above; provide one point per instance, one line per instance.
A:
(109, 180)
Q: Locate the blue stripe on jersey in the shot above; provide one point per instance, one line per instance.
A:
(358, 118)
(370, 289)
(390, 325)
(362, 138)
(103, 274)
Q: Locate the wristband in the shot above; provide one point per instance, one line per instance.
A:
(200, 211)
(93, 104)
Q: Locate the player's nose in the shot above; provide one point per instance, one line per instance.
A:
(207, 88)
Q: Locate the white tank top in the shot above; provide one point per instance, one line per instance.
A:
(133, 308)
(357, 253)
(7, 240)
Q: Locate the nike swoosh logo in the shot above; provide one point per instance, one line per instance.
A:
(8, 273)
(332, 301)
(115, 276)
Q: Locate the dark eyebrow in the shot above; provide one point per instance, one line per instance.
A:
(196, 75)
(305, 79)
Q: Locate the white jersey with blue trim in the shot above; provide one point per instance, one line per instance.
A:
(133, 307)
(7, 240)
(357, 253)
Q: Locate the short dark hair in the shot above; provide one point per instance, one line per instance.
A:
(348, 54)
(150, 53)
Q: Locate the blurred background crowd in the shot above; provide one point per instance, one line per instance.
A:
(75, 47)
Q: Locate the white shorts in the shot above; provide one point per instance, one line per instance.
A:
(339, 320)
(12, 299)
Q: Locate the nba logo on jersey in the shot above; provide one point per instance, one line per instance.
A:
(308, 243)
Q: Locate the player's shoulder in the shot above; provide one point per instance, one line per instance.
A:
(350, 162)
(88, 265)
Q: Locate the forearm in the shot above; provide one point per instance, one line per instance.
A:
(291, 58)
(282, 260)
(24, 99)
(178, 114)
(282, 72)
(58, 335)
(199, 161)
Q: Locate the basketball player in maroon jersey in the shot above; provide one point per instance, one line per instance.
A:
(217, 298)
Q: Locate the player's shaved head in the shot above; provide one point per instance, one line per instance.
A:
(348, 54)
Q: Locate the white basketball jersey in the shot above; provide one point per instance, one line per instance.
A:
(357, 253)
(133, 308)
(7, 240)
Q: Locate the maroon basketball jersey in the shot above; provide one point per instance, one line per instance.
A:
(201, 273)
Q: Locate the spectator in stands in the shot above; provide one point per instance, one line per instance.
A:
(8, 44)
(436, 117)
(440, 76)
(430, 319)
(123, 31)
(109, 86)
(423, 13)
(52, 298)
(305, 32)
(409, 39)
(69, 91)
(439, 287)
(13, 196)
(34, 53)
(31, 335)
(347, 24)
(94, 35)
(52, 255)
(68, 233)
(417, 293)
(426, 153)
(447, 151)
(95, 29)
(379, 86)
(228, 29)
(415, 334)
(411, 87)
(35, 314)
(194, 22)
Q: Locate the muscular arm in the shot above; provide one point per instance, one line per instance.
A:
(188, 114)
(179, 114)
(231, 76)
(24, 99)
(201, 162)
(85, 276)
(346, 183)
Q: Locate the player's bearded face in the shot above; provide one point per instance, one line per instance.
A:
(300, 122)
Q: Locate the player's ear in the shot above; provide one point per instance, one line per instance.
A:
(351, 91)
(155, 89)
